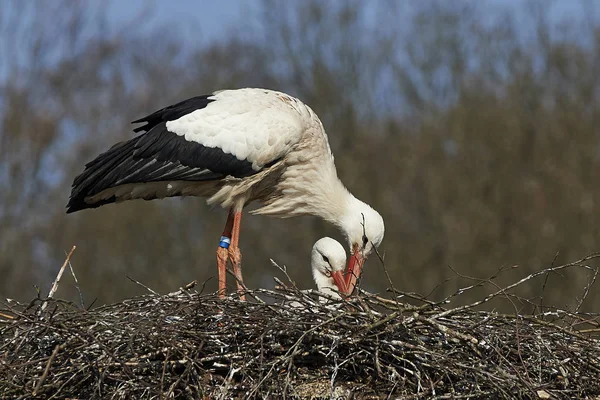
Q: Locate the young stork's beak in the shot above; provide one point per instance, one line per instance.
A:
(340, 282)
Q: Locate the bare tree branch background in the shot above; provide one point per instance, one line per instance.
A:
(474, 137)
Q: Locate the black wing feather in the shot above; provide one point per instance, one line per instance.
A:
(154, 156)
(173, 112)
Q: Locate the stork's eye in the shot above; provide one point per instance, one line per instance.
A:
(365, 240)
(326, 259)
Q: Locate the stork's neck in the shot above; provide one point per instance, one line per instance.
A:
(335, 201)
(309, 184)
(353, 217)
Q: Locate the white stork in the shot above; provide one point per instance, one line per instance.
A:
(234, 147)
(328, 260)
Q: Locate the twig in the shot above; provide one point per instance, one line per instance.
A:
(246, 290)
(77, 285)
(162, 376)
(380, 322)
(414, 296)
(545, 282)
(142, 285)
(184, 289)
(204, 284)
(509, 287)
(480, 282)
(586, 290)
(284, 270)
(47, 369)
(54, 287)
(386, 273)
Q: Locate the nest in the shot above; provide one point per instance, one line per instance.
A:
(295, 344)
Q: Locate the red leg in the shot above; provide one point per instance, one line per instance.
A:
(223, 255)
(235, 255)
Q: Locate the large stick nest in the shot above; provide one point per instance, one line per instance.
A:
(296, 344)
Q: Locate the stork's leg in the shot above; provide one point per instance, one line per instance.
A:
(235, 255)
(223, 254)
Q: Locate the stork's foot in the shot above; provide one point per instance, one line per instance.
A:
(235, 256)
(222, 256)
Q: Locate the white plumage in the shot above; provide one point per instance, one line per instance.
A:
(328, 261)
(234, 147)
(253, 125)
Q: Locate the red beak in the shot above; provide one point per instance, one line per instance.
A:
(338, 279)
(354, 268)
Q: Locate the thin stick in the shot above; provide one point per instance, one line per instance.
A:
(527, 278)
(284, 270)
(382, 259)
(77, 285)
(414, 296)
(162, 376)
(55, 283)
(480, 282)
(142, 285)
(586, 290)
(244, 289)
(544, 285)
(47, 369)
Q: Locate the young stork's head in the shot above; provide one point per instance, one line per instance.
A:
(328, 260)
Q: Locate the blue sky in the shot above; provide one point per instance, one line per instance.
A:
(209, 20)
(206, 20)
(200, 22)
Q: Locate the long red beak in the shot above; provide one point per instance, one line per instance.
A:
(353, 270)
(338, 279)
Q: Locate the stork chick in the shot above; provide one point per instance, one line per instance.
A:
(328, 260)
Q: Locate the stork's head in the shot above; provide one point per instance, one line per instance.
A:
(328, 261)
(364, 229)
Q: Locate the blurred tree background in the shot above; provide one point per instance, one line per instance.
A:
(470, 126)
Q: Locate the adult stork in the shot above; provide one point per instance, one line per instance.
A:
(234, 147)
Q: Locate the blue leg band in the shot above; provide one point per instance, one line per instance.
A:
(224, 242)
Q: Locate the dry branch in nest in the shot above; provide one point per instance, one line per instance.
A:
(192, 345)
